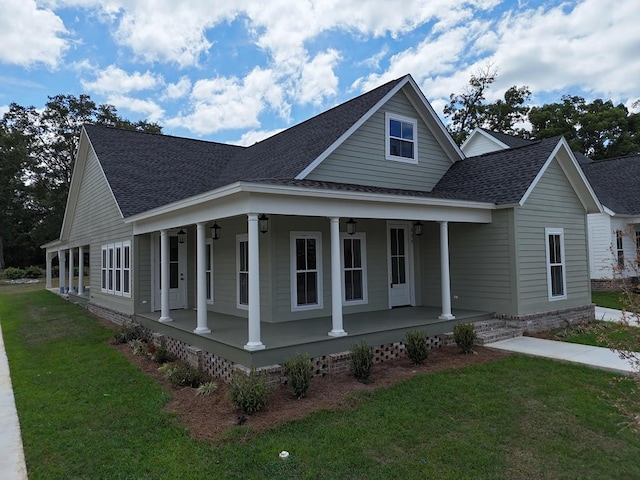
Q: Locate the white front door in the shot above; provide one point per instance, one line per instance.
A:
(399, 271)
(177, 273)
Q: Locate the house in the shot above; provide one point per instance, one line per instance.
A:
(313, 239)
(614, 233)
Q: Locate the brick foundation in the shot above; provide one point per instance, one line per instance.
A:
(537, 322)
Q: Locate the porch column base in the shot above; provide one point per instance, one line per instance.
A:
(165, 319)
(337, 333)
(251, 346)
(446, 316)
(201, 330)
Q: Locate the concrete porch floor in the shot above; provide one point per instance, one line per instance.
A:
(229, 333)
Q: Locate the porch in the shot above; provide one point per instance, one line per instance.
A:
(282, 340)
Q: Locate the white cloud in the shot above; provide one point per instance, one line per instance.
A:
(318, 80)
(253, 136)
(149, 109)
(229, 103)
(30, 35)
(178, 89)
(113, 79)
(3, 109)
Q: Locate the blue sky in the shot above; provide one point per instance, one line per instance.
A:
(238, 71)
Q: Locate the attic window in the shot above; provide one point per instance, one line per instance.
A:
(401, 138)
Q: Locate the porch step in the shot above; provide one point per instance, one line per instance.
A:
(489, 325)
(497, 333)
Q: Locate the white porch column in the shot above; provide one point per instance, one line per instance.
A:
(164, 277)
(445, 282)
(201, 272)
(254, 342)
(71, 266)
(62, 271)
(48, 272)
(336, 281)
(80, 270)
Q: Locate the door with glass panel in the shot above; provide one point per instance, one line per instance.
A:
(177, 273)
(399, 278)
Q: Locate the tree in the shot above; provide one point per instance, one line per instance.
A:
(48, 142)
(468, 110)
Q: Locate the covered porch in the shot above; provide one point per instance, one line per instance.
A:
(228, 334)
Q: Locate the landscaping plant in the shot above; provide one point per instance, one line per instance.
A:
(361, 361)
(207, 389)
(249, 392)
(138, 347)
(465, 336)
(127, 332)
(416, 347)
(183, 374)
(298, 371)
(161, 353)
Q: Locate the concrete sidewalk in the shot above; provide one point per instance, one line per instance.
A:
(12, 464)
(596, 357)
(611, 315)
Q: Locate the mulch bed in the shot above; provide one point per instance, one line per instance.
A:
(209, 417)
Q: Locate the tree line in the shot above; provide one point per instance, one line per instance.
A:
(599, 129)
(37, 155)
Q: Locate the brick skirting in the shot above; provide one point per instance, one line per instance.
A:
(537, 322)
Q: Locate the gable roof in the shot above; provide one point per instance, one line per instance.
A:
(146, 171)
(510, 141)
(501, 177)
(615, 182)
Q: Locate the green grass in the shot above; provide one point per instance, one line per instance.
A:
(598, 333)
(608, 299)
(86, 413)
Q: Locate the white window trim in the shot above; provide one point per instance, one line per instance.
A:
(387, 138)
(209, 243)
(620, 256)
(363, 251)
(240, 238)
(292, 261)
(110, 251)
(547, 233)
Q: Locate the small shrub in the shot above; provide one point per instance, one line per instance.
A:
(361, 361)
(298, 372)
(183, 374)
(14, 273)
(161, 353)
(33, 272)
(416, 346)
(465, 335)
(127, 332)
(249, 393)
(207, 389)
(138, 347)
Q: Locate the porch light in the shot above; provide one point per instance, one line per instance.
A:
(417, 228)
(215, 231)
(263, 223)
(351, 226)
(182, 236)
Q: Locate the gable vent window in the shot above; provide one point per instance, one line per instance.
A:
(401, 138)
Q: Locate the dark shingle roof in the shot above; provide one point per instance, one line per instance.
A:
(146, 171)
(500, 177)
(616, 182)
(509, 140)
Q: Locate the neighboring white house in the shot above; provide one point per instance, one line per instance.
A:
(614, 234)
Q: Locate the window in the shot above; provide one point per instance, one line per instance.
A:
(242, 264)
(306, 270)
(619, 249)
(638, 247)
(354, 274)
(115, 269)
(555, 263)
(209, 270)
(401, 138)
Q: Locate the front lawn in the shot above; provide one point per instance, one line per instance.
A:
(608, 299)
(598, 334)
(87, 413)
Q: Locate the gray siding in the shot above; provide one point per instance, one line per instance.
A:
(361, 158)
(96, 222)
(142, 265)
(552, 204)
(481, 267)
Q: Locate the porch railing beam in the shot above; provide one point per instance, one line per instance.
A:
(164, 277)
(254, 342)
(337, 327)
(445, 281)
(201, 272)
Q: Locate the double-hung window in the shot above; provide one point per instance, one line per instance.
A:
(556, 273)
(306, 270)
(620, 248)
(354, 269)
(115, 269)
(242, 265)
(401, 138)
